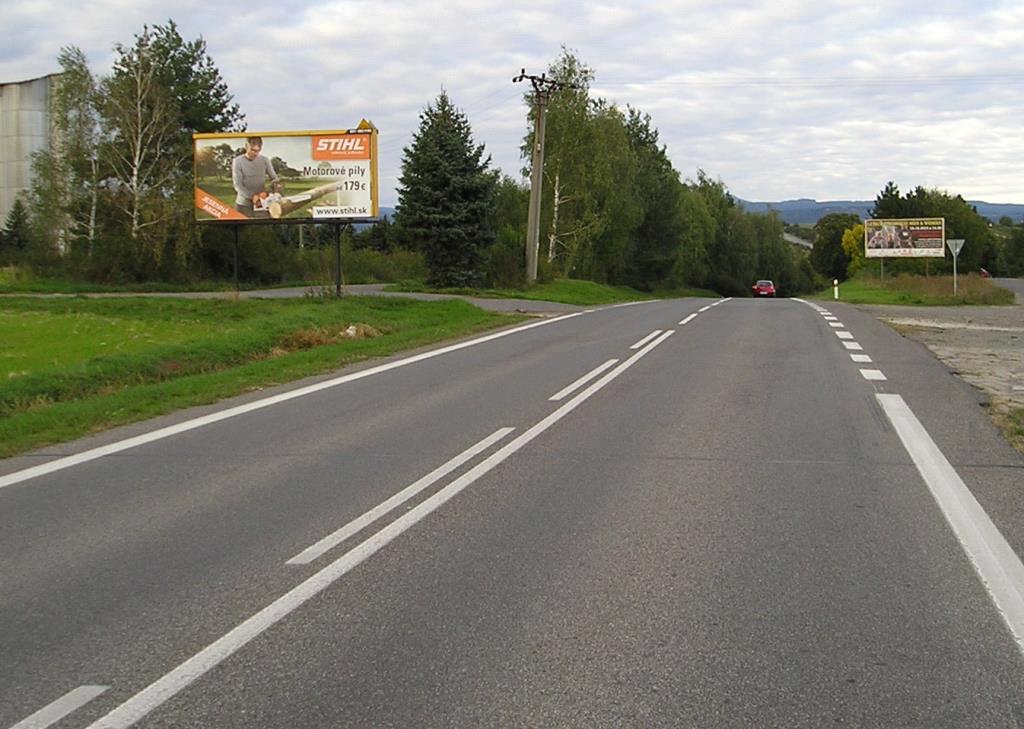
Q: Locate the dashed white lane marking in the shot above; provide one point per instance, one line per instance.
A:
(646, 339)
(224, 647)
(996, 563)
(69, 702)
(853, 345)
(844, 335)
(829, 317)
(123, 445)
(358, 524)
(862, 358)
(688, 319)
(876, 375)
(837, 325)
(702, 309)
(569, 389)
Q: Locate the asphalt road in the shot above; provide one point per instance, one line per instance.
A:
(730, 525)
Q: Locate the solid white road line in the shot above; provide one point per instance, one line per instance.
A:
(862, 358)
(569, 389)
(195, 667)
(646, 339)
(844, 335)
(853, 345)
(359, 523)
(60, 708)
(123, 445)
(996, 563)
(688, 319)
(873, 375)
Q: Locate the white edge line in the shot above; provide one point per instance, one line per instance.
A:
(996, 563)
(646, 339)
(54, 712)
(631, 303)
(123, 445)
(361, 522)
(184, 674)
(688, 319)
(569, 389)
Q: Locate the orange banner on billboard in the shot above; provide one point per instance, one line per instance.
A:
(208, 203)
(341, 147)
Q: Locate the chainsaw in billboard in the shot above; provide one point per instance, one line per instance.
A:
(286, 176)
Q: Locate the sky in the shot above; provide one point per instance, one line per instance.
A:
(778, 100)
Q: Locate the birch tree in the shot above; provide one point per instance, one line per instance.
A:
(145, 153)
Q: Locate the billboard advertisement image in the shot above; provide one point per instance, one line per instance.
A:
(905, 238)
(315, 176)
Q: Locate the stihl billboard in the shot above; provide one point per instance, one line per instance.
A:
(286, 176)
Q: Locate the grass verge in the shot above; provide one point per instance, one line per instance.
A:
(1011, 420)
(61, 377)
(906, 289)
(562, 291)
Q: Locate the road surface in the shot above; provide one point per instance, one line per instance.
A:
(686, 513)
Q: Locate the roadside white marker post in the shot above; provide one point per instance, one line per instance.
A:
(835, 289)
(955, 244)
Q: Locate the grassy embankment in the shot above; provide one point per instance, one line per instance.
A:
(69, 367)
(905, 289)
(562, 291)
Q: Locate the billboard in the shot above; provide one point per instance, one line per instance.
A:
(311, 176)
(905, 238)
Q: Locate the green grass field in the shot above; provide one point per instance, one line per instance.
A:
(905, 289)
(73, 366)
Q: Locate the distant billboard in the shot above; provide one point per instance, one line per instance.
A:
(905, 238)
(290, 177)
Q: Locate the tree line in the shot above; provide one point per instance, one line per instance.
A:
(839, 237)
(614, 209)
(112, 198)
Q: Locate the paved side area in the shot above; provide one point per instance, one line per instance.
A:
(982, 344)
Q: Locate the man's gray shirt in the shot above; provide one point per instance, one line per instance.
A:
(248, 177)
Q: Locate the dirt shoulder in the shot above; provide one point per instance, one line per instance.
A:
(984, 345)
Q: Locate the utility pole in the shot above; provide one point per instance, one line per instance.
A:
(542, 88)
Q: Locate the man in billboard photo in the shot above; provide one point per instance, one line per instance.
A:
(249, 173)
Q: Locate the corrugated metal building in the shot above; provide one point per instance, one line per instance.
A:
(24, 129)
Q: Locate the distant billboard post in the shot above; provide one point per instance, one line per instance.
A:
(905, 238)
(287, 177)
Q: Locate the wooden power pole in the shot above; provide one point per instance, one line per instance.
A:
(542, 88)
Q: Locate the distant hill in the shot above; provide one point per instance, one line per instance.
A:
(807, 211)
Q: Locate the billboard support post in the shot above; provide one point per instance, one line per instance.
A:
(235, 229)
(337, 260)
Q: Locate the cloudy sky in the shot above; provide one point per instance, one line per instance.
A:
(780, 100)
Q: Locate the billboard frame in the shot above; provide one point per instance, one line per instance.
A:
(898, 237)
(232, 217)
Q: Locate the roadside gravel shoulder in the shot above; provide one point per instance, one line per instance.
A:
(984, 345)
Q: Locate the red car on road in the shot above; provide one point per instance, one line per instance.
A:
(764, 287)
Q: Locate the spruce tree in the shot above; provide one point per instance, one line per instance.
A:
(16, 235)
(446, 197)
